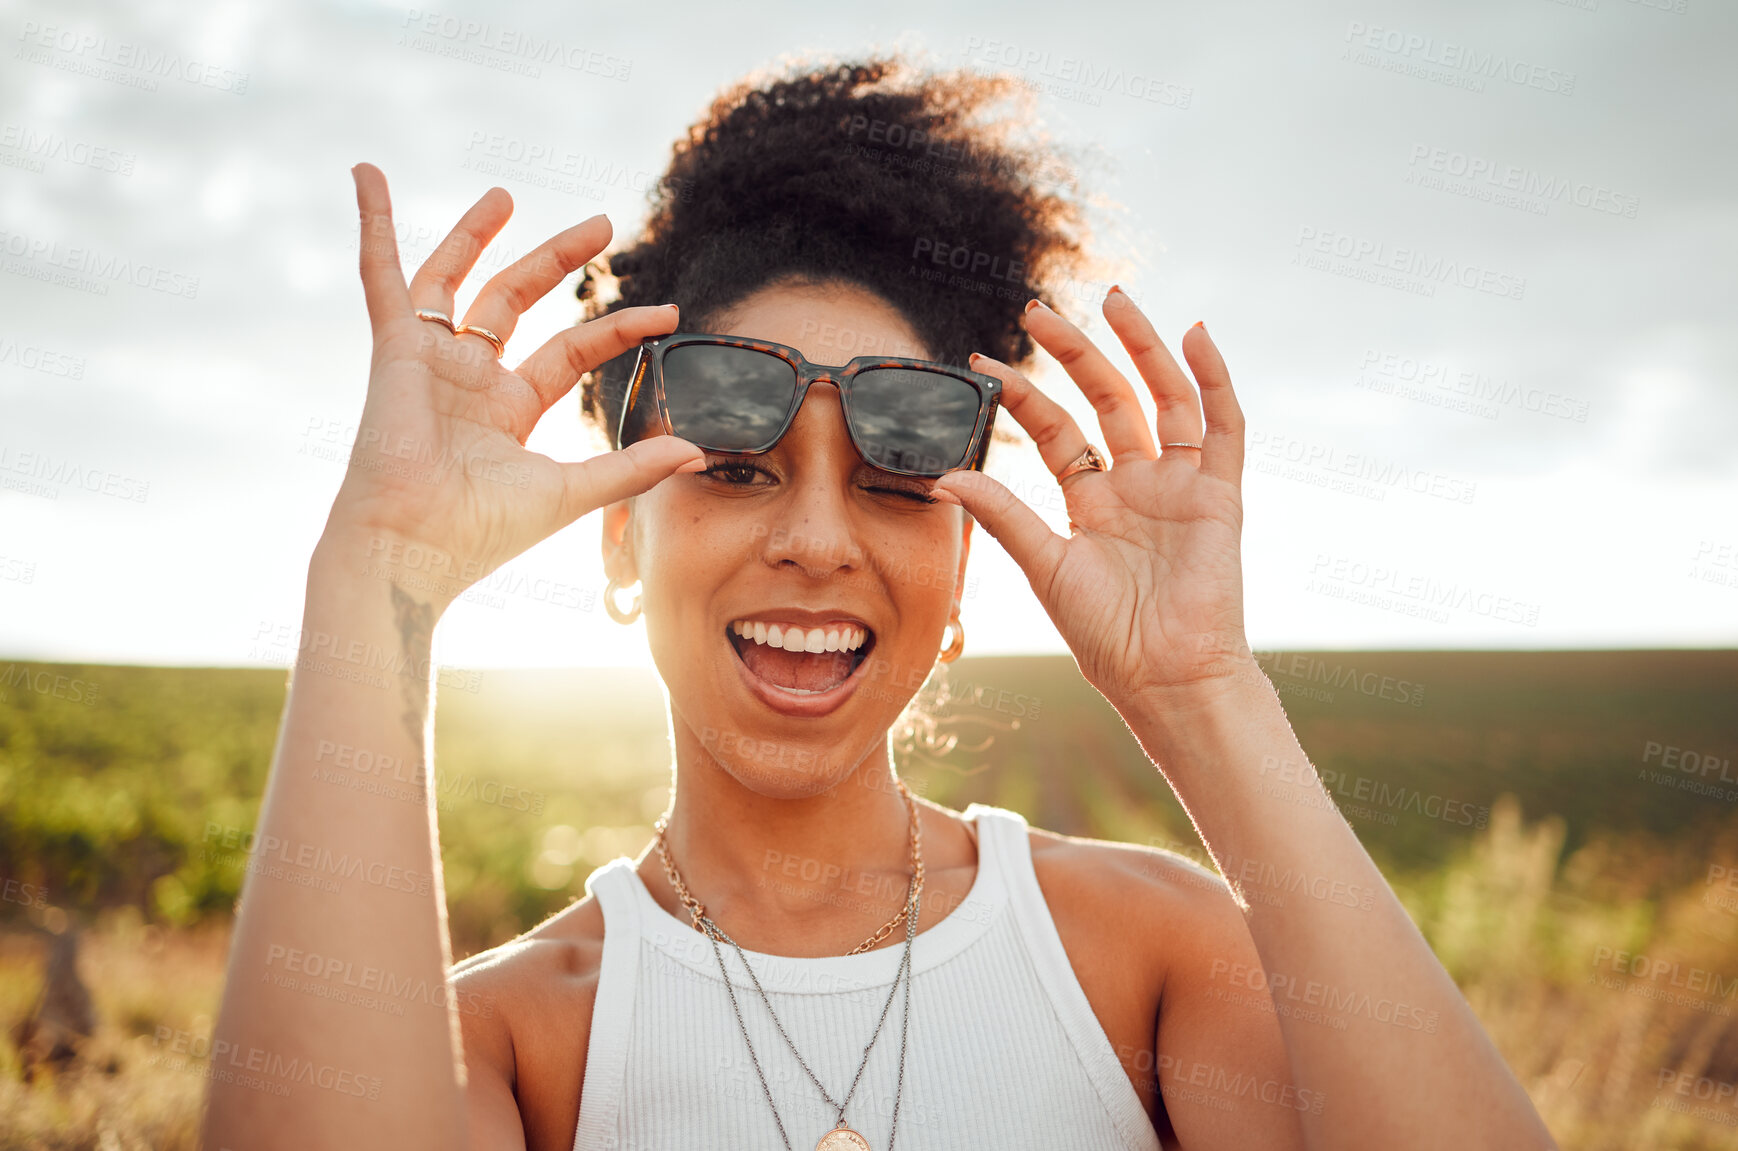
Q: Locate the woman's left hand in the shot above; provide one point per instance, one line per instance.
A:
(1148, 590)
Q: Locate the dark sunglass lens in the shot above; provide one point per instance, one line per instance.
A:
(731, 399)
(912, 420)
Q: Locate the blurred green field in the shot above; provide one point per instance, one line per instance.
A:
(1517, 801)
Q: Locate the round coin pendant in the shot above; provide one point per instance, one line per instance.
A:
(842, 1138)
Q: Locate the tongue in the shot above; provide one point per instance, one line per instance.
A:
(809, 671)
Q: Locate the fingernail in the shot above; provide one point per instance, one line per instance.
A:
(673, 307)
(1201, 325)
(946, 497)
(693, 465)
(1036, 303)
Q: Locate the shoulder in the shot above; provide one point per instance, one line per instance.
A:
(562, 951)
(1101, 868)
(1134, 893)
(525, 1010)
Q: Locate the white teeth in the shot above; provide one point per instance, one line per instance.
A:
(791, 638)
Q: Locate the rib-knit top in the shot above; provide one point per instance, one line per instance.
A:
(1004, 1048)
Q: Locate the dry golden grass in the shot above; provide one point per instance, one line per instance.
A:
(1531, 945)
(129, 1092)
(1518, 927)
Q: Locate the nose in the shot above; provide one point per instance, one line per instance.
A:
(815, 532)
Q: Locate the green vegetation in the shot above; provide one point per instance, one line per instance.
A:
(1510, 805)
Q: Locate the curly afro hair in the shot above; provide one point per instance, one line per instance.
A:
(870, 174)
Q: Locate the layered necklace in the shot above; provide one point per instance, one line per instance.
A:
(841, 1137)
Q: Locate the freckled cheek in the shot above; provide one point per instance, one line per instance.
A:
(918, 578)
(686, 556)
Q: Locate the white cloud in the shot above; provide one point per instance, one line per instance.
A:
(209, 398)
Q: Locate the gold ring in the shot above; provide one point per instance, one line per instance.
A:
(438, 317)
(473, 330)
(1197, 447)
(1088, 461)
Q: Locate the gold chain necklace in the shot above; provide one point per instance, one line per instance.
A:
(841, 1137)
(697, 911)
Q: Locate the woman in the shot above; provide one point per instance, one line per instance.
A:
(809, 955)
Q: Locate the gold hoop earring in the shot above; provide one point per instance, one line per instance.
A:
(629, 615)
(952, 651)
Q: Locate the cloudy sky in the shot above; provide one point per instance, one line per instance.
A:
(1471, 264)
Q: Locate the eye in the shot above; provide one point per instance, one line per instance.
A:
(908, 490)
(735, 474)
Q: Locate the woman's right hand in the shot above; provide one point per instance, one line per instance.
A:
(440, 485)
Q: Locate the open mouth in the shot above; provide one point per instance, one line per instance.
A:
(801, 660)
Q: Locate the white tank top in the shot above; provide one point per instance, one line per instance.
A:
(1004, 1048)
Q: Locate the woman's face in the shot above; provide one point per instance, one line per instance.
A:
(807, 536)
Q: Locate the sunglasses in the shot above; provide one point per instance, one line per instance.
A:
(737, 395)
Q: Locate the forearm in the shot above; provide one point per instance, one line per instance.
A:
(1412, 1066)
(336, 980)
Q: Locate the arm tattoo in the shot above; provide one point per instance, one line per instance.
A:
(416, 637)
